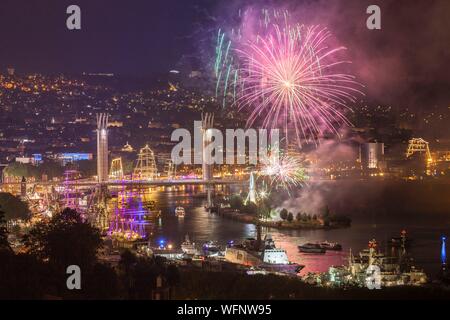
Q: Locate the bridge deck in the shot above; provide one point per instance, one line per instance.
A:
(132, 182)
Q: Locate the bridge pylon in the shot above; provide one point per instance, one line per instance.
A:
(102, 147)
(207, 167)
(207, 124)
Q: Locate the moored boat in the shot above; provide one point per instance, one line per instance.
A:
(263, 256)
(188, 247)
(211, 247)
(311, 248)
(332, 246)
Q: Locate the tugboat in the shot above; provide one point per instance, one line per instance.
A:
(332, 246)
(188, 247)
(179, 212)
(312, 248)
(262, 255)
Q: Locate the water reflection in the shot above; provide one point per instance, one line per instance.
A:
(202, 226)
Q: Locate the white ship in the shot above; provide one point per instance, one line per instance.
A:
(265, 256)
(188, 247)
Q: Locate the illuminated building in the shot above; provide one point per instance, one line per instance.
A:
(372, 154)
(23, 188)
(69, 157)
(116, 169)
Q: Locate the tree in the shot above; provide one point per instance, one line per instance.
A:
(65, 240)
(326, 212)
(13, 206)
(127, 260)
(50, 168)
(251, 208)
(22, 277)
(173, 275)
(298, 216)
(236, 202)
(101, 283)
(17, 169)
(283, 214)
(263, 209)
(4, 244)
(290, 217)
(304, 217)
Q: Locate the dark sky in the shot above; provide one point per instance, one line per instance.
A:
(129, 37)
(408, 61)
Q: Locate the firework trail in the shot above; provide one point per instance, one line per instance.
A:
(286, 76)
(285, 172)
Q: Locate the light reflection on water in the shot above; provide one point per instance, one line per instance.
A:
(202, 226)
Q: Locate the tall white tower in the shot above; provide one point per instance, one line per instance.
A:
(207, 123)
(102, 147)
(251, 189)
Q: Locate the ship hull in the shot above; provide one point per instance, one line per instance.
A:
(311, 250)
(250, 259)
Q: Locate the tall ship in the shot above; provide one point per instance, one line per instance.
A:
(262, 255)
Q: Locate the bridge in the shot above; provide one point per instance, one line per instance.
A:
(156, 183)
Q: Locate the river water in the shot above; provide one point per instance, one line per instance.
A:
(202, 226)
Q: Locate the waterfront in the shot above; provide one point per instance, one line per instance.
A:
(202, 226)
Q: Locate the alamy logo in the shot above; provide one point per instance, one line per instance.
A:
(74, 280)
(209, 145)
(374, 20)
(73, 21)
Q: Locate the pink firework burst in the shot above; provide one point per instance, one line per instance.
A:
(289, 79)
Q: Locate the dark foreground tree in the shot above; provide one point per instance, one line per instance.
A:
(100, 283)
(13, 206)
(65, 240)
(22, 276)
(138, 275)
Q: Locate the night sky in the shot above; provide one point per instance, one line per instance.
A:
(125, 37)
(408, 61)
